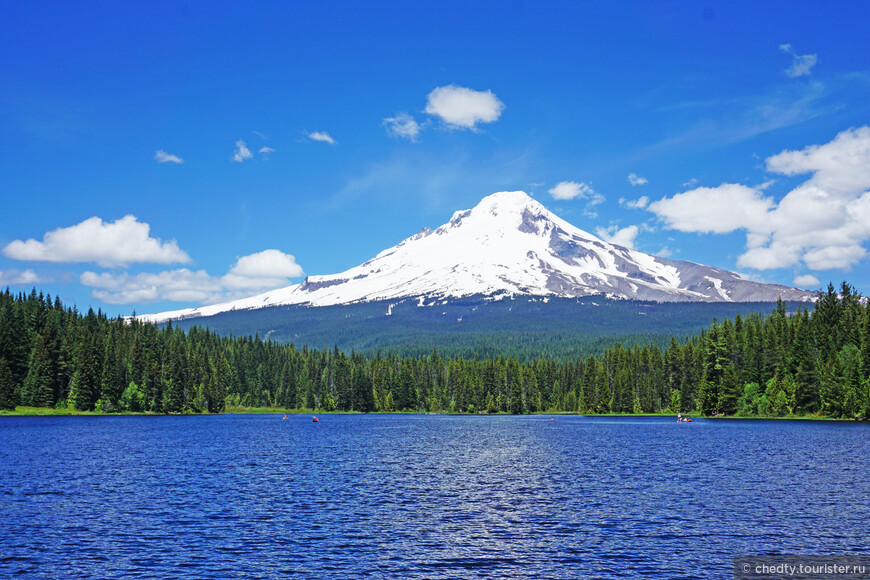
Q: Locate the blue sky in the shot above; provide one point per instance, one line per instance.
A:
(170, 154)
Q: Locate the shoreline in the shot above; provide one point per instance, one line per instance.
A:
(21, 411)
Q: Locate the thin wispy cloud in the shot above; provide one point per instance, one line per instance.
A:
(241, 153)
(20, 278)
(266, 150)
(163, 157)
(748, 117)
(565, 190)
(402, 126)
(801, 65)
(636, 180)
(638, 203)
(322, 136)
(433, 179)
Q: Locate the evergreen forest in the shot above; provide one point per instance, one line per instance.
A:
(801, 362)
(525, 327)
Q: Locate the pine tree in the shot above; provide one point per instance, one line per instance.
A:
(7, 387)
(14, 340)
(729, 391)
(112, 381)
(38, 390)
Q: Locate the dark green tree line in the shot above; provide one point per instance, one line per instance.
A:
(807, 362)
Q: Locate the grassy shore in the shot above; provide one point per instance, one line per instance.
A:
(44, 411)
(34, 411)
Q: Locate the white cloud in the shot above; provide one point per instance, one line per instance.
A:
(181, 285)
(801, 64)
(163, 157)
(714, 209)
(834, 257)
(258, 272)
(266, 150)
(19, 278)
(573, 190)
(807, 281)
(242, 153)
(775, 255)
(838, 167)
(267, 264)
(322, 136)
(619, 236)
(638, 203)
(463, 108)
(635, 179)
(402, 126)
(691, 183)
(665, 252)
(823, 222)
(125, 241)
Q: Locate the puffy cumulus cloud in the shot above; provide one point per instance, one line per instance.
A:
(838, 167)
(241, 153)
(771, 257)
(323, 137)
(125, 241)
(635, 179)
(20, 278)
(574, 190)
(402, 126)
(718, 210)
(267, 264)
(463, 108)
(258, 272)
(806, 281)
(822, 223)
(801, 64)
(163, 157)
(834, 257)
(619, 236)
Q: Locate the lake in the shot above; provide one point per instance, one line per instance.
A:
(417, 496)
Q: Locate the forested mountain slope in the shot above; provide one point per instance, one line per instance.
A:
(523, 327)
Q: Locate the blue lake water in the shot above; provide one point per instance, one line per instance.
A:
(413, 496)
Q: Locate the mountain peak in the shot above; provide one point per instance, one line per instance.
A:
(508, 200)
(503, 204)
(510, 244)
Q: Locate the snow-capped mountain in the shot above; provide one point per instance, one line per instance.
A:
(509, 244)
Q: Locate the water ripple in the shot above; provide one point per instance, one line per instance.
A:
(422, 496)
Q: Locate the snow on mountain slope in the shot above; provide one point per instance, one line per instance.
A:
(509, 244)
